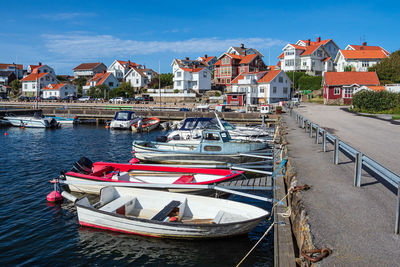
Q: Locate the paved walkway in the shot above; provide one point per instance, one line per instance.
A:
(357, 223)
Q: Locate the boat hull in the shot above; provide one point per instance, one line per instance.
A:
(148, 125)
(140, 211)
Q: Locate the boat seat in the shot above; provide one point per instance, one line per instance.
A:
(166, 211)
(218, 217)
(101, 171)
(184, 179)
(114, 205)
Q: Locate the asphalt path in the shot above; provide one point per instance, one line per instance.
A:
(356, 223)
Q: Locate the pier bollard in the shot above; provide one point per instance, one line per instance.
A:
(397, 223)
(317, 135)
(358, 168)
(324, 141)
(336, 152)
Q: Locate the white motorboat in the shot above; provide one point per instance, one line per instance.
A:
(124, 120)
(167, 215)
(35, 121)
(214, 147)
(192, 128)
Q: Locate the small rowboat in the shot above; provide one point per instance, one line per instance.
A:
(167, 215)
(85, 170)
(146, 125)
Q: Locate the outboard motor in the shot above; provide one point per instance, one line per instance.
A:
(83, 165)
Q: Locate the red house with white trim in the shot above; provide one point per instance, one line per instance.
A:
(340, 86)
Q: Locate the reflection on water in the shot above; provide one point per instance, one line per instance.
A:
(35, 233)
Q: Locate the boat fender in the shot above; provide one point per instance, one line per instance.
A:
(173, 219)
(69, 196)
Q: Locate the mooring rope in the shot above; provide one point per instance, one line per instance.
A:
(248, 253)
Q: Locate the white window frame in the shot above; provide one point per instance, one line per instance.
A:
(336, 91)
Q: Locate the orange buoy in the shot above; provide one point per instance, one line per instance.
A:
(107, 127)
(5, 134)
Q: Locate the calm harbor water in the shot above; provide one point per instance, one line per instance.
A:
(32, 232)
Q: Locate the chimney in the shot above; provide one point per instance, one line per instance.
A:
(187, 58)
(40, 63)
(308, 42)
(129, 62)
(205, 56)
(318, 39)
(364, 44)
(242, 46)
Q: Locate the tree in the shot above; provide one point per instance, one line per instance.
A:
(99, 91)
(348, 68)
(388, 69)
(166, 80)
(61, 78)
(80, 82)
(303, 81)
(16, 86)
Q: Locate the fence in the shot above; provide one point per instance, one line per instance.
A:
(362, 161)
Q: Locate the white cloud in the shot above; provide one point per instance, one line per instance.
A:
(85, 46)
(66, 16)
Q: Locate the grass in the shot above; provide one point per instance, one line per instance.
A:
(396, 117)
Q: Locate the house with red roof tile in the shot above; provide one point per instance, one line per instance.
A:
(88, 70)
(121, 67)
(138, 77)
(40, 76)
(105, 78)
(208, 61)
(191, 75)
(314, 58)
(339, 87)
(237, 60)
(264, 87)
(359, 57)
(59, 90)
(17, 69)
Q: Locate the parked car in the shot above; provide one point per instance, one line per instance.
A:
(84, 99)
(118, 100)
(51, 98)
(23, 98)
(184, 109)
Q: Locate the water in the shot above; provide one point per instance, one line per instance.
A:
(32, 232)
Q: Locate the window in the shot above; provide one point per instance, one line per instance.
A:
(137, 81)
(280, 79)
(205, 74)
(66, 93)
(111, 84)
(365, 64)
(47, 78)
(33, 86)
(289, 62)
(25, 86)
(228, 80)
(319, 53)
(289, 53)
(304, 63)
(225, 60)
(261, 90)
(234, 97)
(178, 83)
(178, 74)
(274, 90)
(336, 91)
(285, 90)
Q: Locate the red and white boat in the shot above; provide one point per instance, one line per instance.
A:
(146, 125)
(85, 170)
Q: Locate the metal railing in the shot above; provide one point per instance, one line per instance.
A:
(361, 160)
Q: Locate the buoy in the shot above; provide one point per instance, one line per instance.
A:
(54, 196)
(134, 161)
(5, 134)
(107, 127)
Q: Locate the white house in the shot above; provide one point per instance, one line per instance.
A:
(359, 57)
(106, 78)
(191, 75)
(60, 90)
(41, 76)
(208, 61)
(311, 57)
(120, 68)
(243, 51)
(263, 87)
(137, 78)
(88, 70)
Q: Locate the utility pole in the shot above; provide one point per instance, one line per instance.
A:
(159, 81)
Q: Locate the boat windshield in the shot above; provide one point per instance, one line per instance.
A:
(225, 137)
(121, 116)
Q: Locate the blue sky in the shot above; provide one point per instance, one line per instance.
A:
(63, 34)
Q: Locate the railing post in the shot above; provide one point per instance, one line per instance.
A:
(317, 135)
(311, 129)
(324, 140)
(305, 125)
(358, 168)
(397, 225)
(336, 152)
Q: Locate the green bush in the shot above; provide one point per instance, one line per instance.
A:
(303, 81)
(176, 91)
(376, 102)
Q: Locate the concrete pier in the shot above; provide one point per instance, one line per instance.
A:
(357, 223)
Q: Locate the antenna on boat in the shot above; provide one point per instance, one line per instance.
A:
(219, 121)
